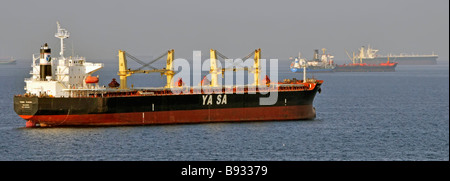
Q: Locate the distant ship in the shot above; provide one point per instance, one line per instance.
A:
(370, 56)
(10, 61)
(364, 67)
(387, 66)
(324, 64)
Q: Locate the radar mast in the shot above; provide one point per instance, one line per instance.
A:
(61, 34)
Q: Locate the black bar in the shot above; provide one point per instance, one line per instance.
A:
(293, 170)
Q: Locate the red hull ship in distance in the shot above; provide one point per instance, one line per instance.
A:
(364, 67)
(64, 93)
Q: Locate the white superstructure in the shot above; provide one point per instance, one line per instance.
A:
(367, 53)
(371, 53)
(67, 74)
(325, 60)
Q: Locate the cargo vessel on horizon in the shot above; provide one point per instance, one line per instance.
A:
(370, 56)
(324, 64)
(10, 61)
(360, 66)
(63, 92)
(364, 67)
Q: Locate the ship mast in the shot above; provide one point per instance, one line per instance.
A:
(61, 34)
(303, 64)
(304, 73)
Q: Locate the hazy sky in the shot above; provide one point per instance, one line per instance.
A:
(234, 27)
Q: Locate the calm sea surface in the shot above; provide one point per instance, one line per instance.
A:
(402, 115)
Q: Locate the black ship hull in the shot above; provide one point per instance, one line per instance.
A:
(292, 103)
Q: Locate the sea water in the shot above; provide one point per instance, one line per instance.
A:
(402, 115)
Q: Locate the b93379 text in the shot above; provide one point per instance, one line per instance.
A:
(246, 170)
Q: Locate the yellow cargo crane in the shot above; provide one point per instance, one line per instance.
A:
(214, 70)
(256, 66)
(124, 71)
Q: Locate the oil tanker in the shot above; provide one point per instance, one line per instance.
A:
(370, 56)
(63, 92)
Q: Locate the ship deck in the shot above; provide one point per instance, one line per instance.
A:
(287, 85)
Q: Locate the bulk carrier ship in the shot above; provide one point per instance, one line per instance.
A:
(364, 67)
(63, 92)
(387, 66)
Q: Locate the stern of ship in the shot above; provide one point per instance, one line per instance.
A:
(26, 107)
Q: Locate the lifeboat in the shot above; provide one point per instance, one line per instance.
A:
(91, 80)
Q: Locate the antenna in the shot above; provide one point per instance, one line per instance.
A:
(61, 34)
(303, 63)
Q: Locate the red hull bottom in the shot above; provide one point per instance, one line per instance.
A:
(176, 117)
